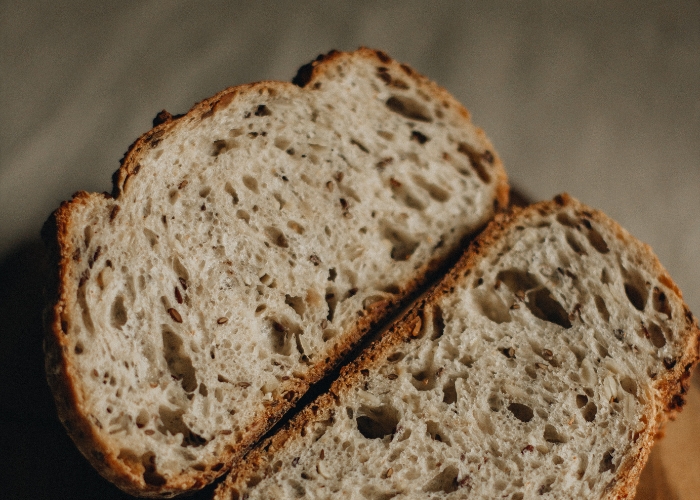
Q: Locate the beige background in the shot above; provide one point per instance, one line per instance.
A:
(600, 99)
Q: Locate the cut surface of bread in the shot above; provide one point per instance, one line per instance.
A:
(249, 245)
(542, 366)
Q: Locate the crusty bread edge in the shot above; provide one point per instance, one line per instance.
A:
(671, 387)
(62, 374)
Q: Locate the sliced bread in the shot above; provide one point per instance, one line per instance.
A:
(542, 366)
(247, 246)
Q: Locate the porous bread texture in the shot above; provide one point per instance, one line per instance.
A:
(248, 246)
(541, 367)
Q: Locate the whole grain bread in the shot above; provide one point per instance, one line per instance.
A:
(246, 247)
(542, 366)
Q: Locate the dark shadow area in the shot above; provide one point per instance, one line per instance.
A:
(37, 458)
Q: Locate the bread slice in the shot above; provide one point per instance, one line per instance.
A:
(543, 365)
(249, 245)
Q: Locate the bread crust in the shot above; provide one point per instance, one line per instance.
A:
(670, 388)
(61, 372)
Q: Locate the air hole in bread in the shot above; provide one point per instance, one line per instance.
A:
(142, 419)
(388, 136)
(596, 240)
(181, 272)
(546, 486)
(581, 400)
(87, 234)
(263, 110)
(281, 337)
(484, 422)
(243, 215)
(589, 411)
(582, 466)
(85, 310)
(359, 145)
(492, 306)
(220, 146)
(424, 380)
(331, 301)
(276, 237)
(475, 160)
(204, 192)
(280, 200)
(391, 288)
(402, 245)
(150, 473)
(517, 280)
(565, 219)
(574, 244)
(602, 350)
(118, 314)
(449, 392)
(637, 295)
(328, 334)
(150, 236)
(371, 492)
(79, 348)
(296, 227)
(350, 192)
(251, 183)
(436, 192)
(303, 346)
(438, 323)
(602, 308)
(605, 277)
(377, 422)
(403, 194)
(203, 390)
(419, 137)
(606, 463)
(296, 303)
(174, 424)
(458, 165)
(552, 435)
(629, 385)
(173, 195)
(656, 335)
(374, 302)
(543, 305)
(396, 356)
(409, 108)
(179, 363)
(495, 403)
(660, 302)
(446, 481)
(282, 143)
(520, 411)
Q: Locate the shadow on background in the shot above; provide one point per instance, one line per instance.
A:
(37, 459)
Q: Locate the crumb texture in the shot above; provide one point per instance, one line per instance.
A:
(252, 241)
(539, 370)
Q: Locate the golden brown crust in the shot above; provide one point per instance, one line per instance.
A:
(62, 374)
(671, 387)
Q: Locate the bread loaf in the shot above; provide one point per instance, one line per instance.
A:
(542, 366)
(246, 247)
